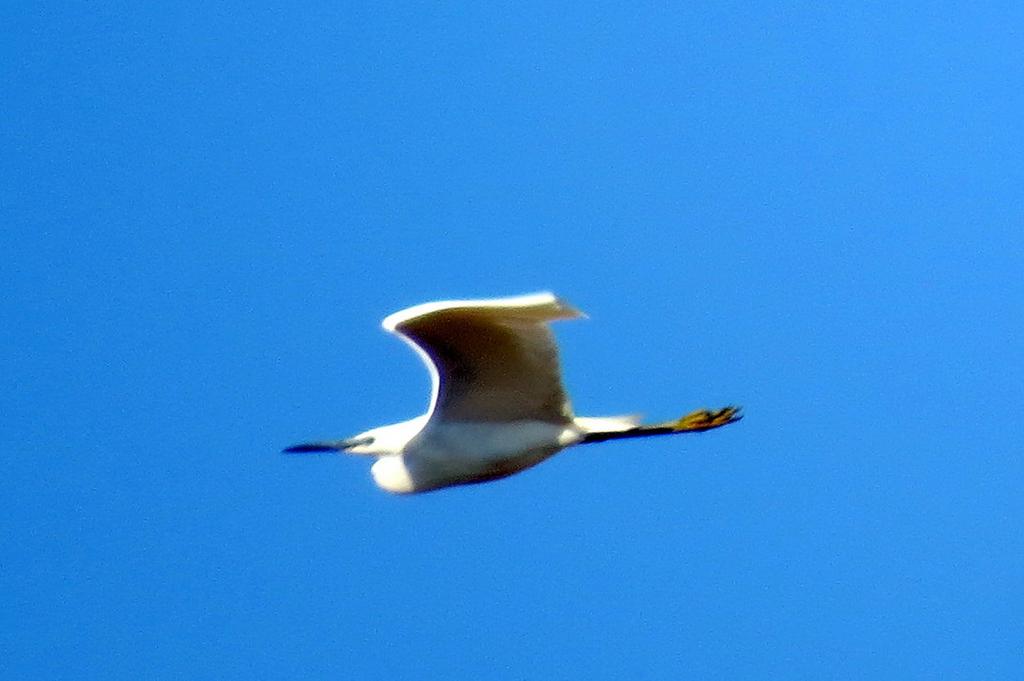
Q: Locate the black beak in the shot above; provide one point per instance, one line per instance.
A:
(308, 447)
(333, 446)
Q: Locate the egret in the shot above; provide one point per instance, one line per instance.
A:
(497, 406)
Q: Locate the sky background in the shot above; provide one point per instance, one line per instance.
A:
(815, 212)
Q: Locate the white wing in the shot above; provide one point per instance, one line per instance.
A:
(490, 360)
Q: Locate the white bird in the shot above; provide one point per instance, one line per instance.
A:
(498, 404)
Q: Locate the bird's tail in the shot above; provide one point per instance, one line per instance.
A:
(607, 424)
(619, 427)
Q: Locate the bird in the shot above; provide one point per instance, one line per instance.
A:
(498, 405)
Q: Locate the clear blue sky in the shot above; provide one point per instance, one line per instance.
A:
(813, 212)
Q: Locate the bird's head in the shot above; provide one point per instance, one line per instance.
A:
(364, 444)
(382, 441)
(385, 440)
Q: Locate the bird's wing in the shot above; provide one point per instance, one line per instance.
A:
(490, 360)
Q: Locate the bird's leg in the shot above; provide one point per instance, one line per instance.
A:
(694, 422)
(704, 419)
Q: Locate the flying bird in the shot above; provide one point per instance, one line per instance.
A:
(497, 406)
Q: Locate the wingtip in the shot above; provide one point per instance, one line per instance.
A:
(542, 299)
(571, 311)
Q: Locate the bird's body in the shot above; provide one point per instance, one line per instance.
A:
(441, 454)
(498, 404)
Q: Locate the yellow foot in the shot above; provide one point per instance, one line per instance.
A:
(703, 419)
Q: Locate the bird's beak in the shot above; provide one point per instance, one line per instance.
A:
(308, 447)
(332, 446)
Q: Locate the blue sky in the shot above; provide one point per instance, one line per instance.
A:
(813, 212)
